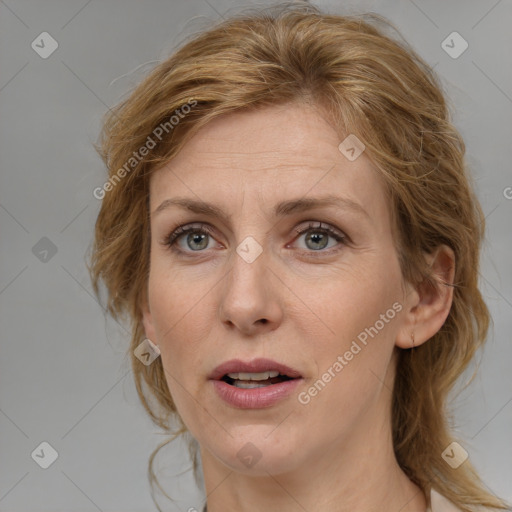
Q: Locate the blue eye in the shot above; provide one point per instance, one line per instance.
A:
(317, 236)
(198, 238)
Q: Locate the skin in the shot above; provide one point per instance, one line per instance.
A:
(296, 303)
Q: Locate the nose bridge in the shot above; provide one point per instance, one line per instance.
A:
(247, 274)
(248, 297)
(249, 258)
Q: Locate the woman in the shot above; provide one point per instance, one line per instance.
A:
(289, 223)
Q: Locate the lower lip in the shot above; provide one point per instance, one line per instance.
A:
(255, 398)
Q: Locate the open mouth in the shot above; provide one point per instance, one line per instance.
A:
(255, 384)
(254, 380)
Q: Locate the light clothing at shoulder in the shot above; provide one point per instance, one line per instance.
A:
(440, 503)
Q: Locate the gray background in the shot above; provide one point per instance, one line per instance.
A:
(64, 376)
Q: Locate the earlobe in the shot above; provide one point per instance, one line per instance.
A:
(428, 305)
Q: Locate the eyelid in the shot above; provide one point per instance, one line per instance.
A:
(341, 238)
(322, 226)
(186, 228)
(175, 234)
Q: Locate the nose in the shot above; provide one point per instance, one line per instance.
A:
(251, 300)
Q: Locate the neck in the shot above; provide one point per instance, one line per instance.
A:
(356, 475)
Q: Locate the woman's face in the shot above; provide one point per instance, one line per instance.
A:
(269, 272)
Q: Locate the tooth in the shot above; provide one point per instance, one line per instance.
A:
(253, 376)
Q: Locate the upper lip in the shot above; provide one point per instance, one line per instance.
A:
(255, 366)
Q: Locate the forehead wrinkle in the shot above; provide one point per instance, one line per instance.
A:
(263, 165)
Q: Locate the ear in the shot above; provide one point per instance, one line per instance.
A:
(427, 307)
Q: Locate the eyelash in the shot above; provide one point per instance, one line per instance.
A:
(170, 240)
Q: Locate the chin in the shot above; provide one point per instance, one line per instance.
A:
(260, 451)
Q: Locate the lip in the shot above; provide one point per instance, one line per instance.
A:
(254, 366)
(254, 398)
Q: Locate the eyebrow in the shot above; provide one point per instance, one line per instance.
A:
(282, 209)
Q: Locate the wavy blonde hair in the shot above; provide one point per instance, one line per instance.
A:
(371, 85)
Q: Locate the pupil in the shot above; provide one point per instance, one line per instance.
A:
(197, 238)
(315, 239)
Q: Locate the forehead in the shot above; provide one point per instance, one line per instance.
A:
(275, 153)
(287, 134)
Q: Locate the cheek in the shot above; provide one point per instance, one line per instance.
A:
(353, 363)
(175, 312)
(358, 318)
(174, 294)
(182, 318)
(345, 307)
